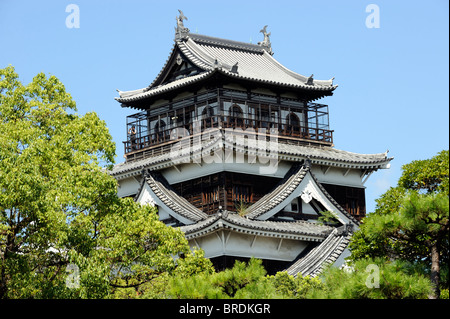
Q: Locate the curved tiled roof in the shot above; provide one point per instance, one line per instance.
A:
(173, 201)
(300, 230)
(280, 193)
(287, 152)
(322, 155)
(324, 254)
(232, 58)
(136, 95)
(165, 159)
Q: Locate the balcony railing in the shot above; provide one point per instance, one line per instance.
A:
(301, 123)
(157, 143)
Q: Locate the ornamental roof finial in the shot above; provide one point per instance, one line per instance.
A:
(266, 42)
(180, 30)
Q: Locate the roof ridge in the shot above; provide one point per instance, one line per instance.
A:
(232, 220)
(285, 186)
(206, 39)
(211, 61)
(170, 198)
(162, 69)
(325, 253)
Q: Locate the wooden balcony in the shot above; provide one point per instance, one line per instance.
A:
(139, 147)
(151, 133)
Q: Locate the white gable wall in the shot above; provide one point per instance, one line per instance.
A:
(147, 197)
(128, 187)
(231, 243)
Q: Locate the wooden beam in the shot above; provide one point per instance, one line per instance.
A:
(279, 244)
(325, 171)
(347, 171)
(253, 241)
(367, 177)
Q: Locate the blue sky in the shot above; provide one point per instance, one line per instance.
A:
(393, 80)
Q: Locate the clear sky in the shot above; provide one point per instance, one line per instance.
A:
(393, 78)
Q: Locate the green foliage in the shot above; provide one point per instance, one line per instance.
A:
(295, 287)
(411, 221)
(51, 184)
(243, 281)
(241, 207)
(397, 280)
(431, 175)
(327, 218)
(59, 208)
(193, 263)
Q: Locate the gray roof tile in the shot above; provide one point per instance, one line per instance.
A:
(294, 230)
(285, 187)
(212, 54)
(317, 155)
(324, 254)
(172, 200)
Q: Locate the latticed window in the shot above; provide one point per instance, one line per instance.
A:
(293, 124)
(242, 193)
(210, 196)
(236, 115)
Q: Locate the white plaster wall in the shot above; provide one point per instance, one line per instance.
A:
(307, 208)
(190, 171)
(148, 197)
(338, 176)
(223, 242)
(127, 187)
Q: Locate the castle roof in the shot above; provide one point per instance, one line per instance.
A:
(332, 241)
(208, 56)
(324, 155)
(322, 255)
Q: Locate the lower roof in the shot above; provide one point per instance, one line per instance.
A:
(324, 254)
(300, 230)
(319, 155)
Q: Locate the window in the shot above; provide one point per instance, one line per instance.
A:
(160, 130)
(242, 193)
(207, 117)
(236, 116)
(210, 195)
(292, 124)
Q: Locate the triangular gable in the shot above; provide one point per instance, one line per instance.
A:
(308, 188)
(168, 202)
(177, 66)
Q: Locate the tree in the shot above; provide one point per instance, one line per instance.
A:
(430, 175)
(377, 278)
(243, 281)
(411, 220)
(296, 287)
(64, 233)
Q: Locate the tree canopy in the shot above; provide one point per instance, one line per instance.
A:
(63, 231)
(411, 221)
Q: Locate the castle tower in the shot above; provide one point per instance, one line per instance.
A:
(232, 146)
